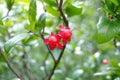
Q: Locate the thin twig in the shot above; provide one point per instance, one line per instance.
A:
(115, 42)
(55, 65)
(49, 49)
(34, 33)
(6, 14)
(8, 11)
(61, 2)
(43, 5)
(62, 13)
(42, 36)
(10, 66)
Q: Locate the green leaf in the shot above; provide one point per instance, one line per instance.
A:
(68, 1)
(50, 2)
(24, 1)
(40, 22)
(8, 23)
(113, 63)
(113, 68)
(29, 40)
(2, 28)
(110, 5)
(1, 23)
(10, 43)
(9, 4)
(32, 13)
(118, 37)
(107, 29)
(115, 2)
(102, 73)
(72, 10)
(53, 11)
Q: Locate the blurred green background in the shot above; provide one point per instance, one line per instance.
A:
(83, 56)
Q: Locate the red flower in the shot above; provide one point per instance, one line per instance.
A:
(105, 61)
(53, 41)
(65, 34)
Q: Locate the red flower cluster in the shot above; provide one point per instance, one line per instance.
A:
(53, 41)
(63, 36)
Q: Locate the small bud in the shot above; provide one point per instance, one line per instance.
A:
(110, 16)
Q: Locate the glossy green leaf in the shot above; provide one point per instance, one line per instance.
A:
(53, 11)
(9, 4)
(11, 43)
(72, 10)
(32, 13)
(107, 29)
(40, 22)
(115, 2)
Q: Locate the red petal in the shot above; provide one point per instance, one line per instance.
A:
(58, 36)
(46, 41)
(64, 41)
(69, 39)
(51, 47)
(59, 46)
(61, 28)
(52, 34)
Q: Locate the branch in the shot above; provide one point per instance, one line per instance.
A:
(62, 13)
(10, 67)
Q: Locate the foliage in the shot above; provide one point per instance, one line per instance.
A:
(95, 37)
